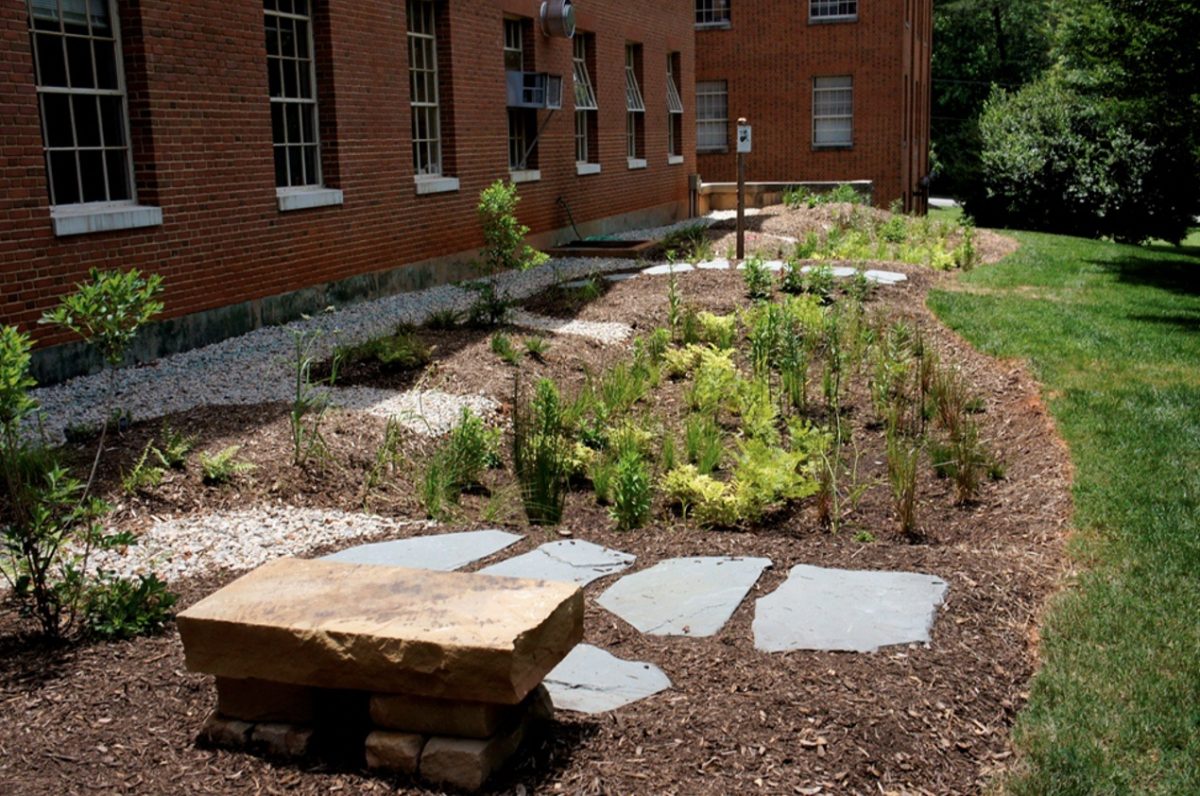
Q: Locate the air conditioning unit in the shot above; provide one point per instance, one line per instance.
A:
(534, 90)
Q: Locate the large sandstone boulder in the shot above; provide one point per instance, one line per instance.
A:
(385, 630)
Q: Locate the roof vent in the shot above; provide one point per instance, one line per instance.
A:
(558, 18)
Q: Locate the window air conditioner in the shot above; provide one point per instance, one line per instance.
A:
(534, 90)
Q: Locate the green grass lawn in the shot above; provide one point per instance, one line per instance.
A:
(1113, 334)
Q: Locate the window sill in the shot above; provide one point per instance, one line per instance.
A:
(832, 20)
(722, 25)
(428, 185)
(716, 150)
(636, 163)
(674, 160)
(831, 147)
(307, 198)
(584, 169)
(87, 219)
(526, 175)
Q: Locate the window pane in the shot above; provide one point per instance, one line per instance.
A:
(112, 119)
(56, 115)
(106, 64)
(118, 175)
(310, 165)
(308, 134)
(91, 172)
(52, 64)
(277, 132)
(64, 178)
(79, 57)
(289, 79)
(287, 38)
(305, 78)
(296, 164)
(292, 115)
(274, 80)
(87, 120)
(280, 166)
(272, 35)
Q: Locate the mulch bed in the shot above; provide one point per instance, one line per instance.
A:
(122, 718)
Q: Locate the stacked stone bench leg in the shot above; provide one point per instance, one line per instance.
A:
(424, 673)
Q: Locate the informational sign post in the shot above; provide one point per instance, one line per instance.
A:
(744, 142)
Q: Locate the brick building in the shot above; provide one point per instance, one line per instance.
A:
(836, 90)
(270, 158)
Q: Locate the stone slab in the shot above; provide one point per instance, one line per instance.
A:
(668, 269)
(591, 680)
(260, 700)
(774, 266)
(684, 596)
(224, 733)
(394, 752)
(570, 561)
(847, 610)
(455, 718)
(719, 264)
(334, 625)
(885, 277)
(442, 552)
(839, 271)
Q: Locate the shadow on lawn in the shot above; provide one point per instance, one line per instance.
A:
(1179, 275)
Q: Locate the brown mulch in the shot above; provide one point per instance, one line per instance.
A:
(122, 718)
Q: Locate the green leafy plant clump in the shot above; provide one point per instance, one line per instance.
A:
(399, 352)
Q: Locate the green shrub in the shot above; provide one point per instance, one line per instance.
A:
(632, 492)
(702, 442)
(502, 346)
(679, 362)
(715, 381)
(473, 448)
(541, 453)
(504, 247)
(717, 330)
(760, 283)
(399, 352)
(121, 608)
(108, 310)
(758, 409)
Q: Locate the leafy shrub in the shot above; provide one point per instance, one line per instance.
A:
(504, 247)
(716, 378)
(121, 608)
(541, 453)
(632, 492)
(1056, 160)
(679, 362)
(758, 410)
(502, 346)
(717, 330)
(473, 449)
(760, 284)
(223, 466)
(108, 310)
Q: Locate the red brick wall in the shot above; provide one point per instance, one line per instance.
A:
(770, 54)
(199, 109)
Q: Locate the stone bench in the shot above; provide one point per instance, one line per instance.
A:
(429, 673)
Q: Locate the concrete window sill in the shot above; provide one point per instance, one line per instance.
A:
(427, 185)
(832, 147)
(291, 199)
(87, 219)
(832, 20)
(584, 169)
(674, 160)
(636, 163)
(722, 25)
(527, 175)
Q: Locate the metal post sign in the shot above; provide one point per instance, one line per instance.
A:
(744, 139)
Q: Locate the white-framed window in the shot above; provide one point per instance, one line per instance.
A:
(712, 116)
(292, 81)
(832, 9)
(712, 13)
(81, 93)
(833, 111)
(674, 108)
(635, 106)
(522, 122)
(585, 101)
(425, 95)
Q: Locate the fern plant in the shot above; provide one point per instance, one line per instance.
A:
(223, 466)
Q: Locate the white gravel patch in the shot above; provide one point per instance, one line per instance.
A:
(658, 233)
(256, 367)
(240, 540)
(604, 332)
(429, 412)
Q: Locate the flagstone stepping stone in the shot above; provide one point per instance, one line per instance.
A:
(684, 596)
(839, 271)
(620, 277)
(570, 561)
(771, 265)
(668, 268)
(720, 264)
(442, 552)
(885, 277)
(591, 680)
(847, 610)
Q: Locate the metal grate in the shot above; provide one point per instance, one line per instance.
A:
(81, 93)
(423, 79)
